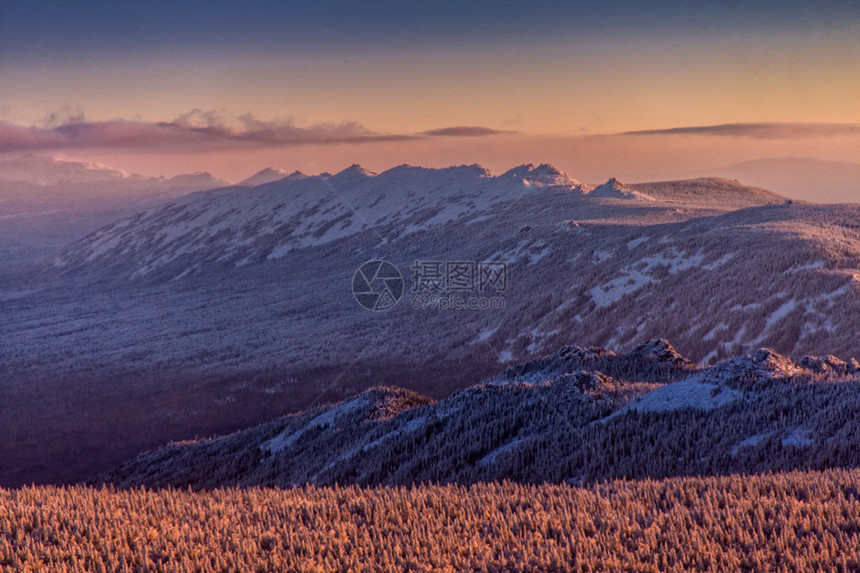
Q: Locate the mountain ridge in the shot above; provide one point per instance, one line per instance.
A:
(499, 428)
(276, 217)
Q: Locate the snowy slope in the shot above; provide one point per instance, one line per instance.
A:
(268, 221)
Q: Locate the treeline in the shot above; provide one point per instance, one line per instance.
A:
(802, 521)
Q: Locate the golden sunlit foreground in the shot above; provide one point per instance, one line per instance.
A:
(794, 521)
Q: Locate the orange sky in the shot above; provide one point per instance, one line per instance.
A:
(548, 71)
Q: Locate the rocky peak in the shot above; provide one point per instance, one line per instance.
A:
(661, 350)
(829, 365)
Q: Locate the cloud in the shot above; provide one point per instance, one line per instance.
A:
(66, 114)
(760, 130)
(197, 130)
(464, 131)
(194, 131)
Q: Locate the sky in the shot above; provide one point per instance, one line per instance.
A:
(640, 90)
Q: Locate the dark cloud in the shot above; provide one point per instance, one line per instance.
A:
(464, 131)
(68, 129)
(759, 130)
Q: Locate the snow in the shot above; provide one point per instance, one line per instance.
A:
(411, 426)
(267, 175)
(285, 439)
(490, 458)
(281, 442)
(780, 313)
(415, 424)
(538, 336)
(600, 256)
(328, 417)
(819, 264)
(635, 243)
(713, 332)
(673, 258)
(637, 275)
(616, 289)
(279, 251)
(719, 262)
(750, 442)
(689, 393)
(531, 251)
(613, 189)
(485, 334)
(798, 437)
(234, 223)
(706, 359)
(543, 175)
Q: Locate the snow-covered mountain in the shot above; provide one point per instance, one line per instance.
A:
(719, 268)
(207, 312)
(560, 419)
(267, 175)
(267, 222)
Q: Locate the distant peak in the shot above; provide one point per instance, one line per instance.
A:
(546, 169)
(452, 172)
(473, 169)
(612, 184)
(542, 175)
(267, 175)
(353, 171)
(614, 189)
(199, 180)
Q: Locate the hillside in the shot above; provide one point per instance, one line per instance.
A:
(704, 190)
(656, 415)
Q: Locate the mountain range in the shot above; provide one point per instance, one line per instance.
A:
(227, 307)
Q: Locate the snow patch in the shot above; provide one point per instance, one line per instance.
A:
(689, 393)
(490, 458)
(635, 243)
(485, 334)
(750, 442)
(798, 437)
(285, 439)
(780, 313)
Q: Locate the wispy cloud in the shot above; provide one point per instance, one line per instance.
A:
(464, 131)
(68, 128)
(197, 130)
(760, 130)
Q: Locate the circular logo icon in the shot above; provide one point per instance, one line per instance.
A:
(377, 285)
